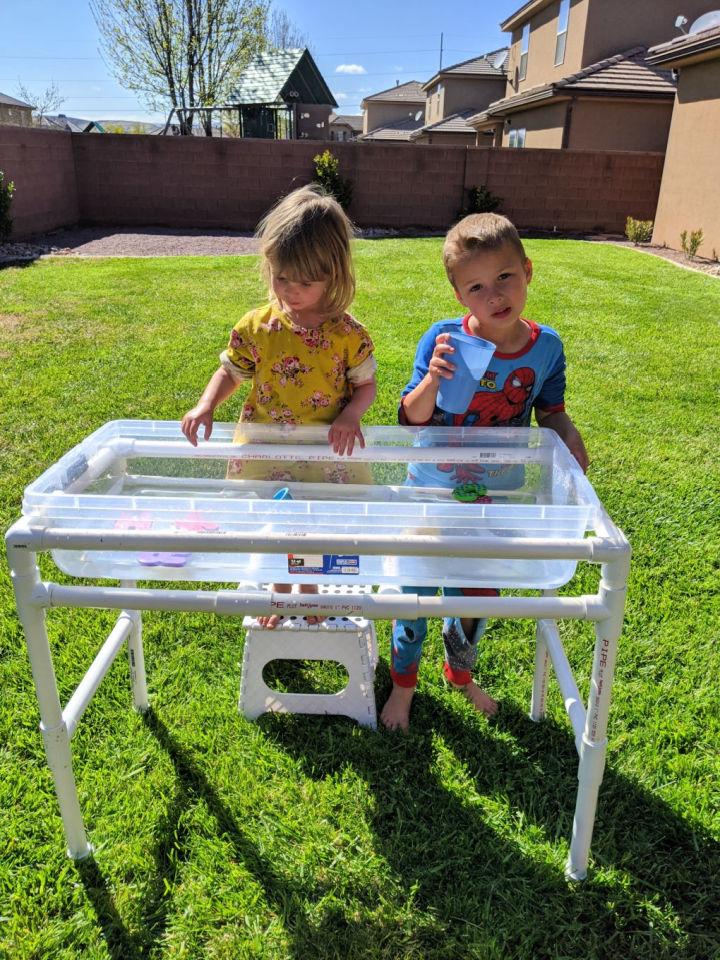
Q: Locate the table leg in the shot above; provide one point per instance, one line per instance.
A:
(25, 577)
(136, 656)
(540, 677)
(594, 740)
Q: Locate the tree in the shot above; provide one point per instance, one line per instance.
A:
(282, 34)
(181, 53)
(44, 103)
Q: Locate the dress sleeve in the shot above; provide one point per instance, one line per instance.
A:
(361, 364)
(239, 357)
(551, 397)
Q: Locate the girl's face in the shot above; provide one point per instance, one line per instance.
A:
(300, 296)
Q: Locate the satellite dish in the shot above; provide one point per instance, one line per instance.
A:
(706, 22)
(419, 115)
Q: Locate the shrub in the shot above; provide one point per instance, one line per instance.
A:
(328, 176)
(638, 231)
(7, 188)
(690, 242)
(480, 200)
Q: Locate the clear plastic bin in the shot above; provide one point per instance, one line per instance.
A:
(144, 475)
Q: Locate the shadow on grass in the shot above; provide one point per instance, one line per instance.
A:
(651, 891)
(652, 886)
(25, 261)
(120, 943)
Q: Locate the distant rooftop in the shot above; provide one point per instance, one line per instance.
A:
(352, 120)
(455, 123)
(409, 92)
(688, 45)
(71, 124)
(12, 102)
(491, 64)
(626, 74)
(398, 130)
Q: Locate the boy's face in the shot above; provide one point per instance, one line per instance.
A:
(492, 284)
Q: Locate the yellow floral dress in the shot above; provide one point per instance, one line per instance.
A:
(298, 376)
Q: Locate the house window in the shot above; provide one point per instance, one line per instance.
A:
(516, 137)
(524, 47)
(560, 42)
(512, 138)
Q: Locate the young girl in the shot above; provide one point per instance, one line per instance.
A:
(308, 360)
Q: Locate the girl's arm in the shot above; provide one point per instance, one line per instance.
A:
(346, 426)
(569, 434)
(219, 388)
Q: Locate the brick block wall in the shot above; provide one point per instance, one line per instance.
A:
(215, 184)
(41, 165)
(569, 190)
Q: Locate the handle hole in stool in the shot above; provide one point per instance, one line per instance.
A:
(305, 676)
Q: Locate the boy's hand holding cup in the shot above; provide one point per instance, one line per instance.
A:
(459, 379)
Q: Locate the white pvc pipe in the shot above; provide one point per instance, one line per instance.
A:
(87, 687)
(136, 656)
(566, 681)
(306, 452)
(52, 538)
(373, 606)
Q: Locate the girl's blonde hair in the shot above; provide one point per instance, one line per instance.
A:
(307, 236)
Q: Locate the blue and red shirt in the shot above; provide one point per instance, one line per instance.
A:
(512, 385)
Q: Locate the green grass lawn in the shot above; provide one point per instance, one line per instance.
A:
(302, 837)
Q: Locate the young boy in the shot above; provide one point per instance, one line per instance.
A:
(486, 264)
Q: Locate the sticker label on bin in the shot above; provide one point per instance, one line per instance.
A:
(324, 564)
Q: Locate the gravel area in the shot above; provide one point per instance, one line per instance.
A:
(130, 242)
(166, 242)
(699, 264)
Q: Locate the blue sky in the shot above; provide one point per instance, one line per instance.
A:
(360, 48)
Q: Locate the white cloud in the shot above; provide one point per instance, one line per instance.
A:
(340, 97)
(350, 68)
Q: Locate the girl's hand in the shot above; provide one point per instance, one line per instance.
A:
(201, 415)
(440, 367)
(344, 431)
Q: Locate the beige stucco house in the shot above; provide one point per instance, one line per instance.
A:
(456, 93)
(15, 112)
(395, 113)
(578, 77)
(689, 193)
(345, 126)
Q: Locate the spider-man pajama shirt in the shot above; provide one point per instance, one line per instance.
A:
(512, 385)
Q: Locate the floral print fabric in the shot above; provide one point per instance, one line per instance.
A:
(298, 376)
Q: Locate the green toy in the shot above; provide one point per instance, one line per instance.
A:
(470, 492)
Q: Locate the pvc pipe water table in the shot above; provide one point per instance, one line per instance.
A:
(416, 506)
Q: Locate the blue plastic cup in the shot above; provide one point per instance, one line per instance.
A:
(471, 358)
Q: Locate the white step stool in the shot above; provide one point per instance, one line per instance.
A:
(350, 641)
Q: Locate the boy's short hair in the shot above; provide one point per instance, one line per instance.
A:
(477, 233)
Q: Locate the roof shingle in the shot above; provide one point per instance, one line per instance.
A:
(411, 92)
(625, 74)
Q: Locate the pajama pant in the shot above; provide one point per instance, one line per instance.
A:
(460, 652)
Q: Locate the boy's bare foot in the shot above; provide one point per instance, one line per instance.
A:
(270, 622)
(396, 712)
(311, 588)
(482, 702)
